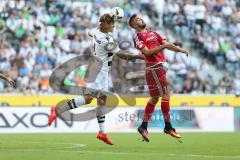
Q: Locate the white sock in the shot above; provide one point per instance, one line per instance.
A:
(101, 118)
(72, 104)
(101, 126)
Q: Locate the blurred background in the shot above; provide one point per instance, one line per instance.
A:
(39, 35)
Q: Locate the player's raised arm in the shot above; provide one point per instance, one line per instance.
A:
(123, 55)
(150, 52)
(172, 47)
(10, 81)
(140, 45)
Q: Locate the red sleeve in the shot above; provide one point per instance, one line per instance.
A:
(160, 38)
(138, 42)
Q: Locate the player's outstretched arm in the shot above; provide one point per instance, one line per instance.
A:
(126, 56)
(10, 81)
(150, 52)
(172, 47)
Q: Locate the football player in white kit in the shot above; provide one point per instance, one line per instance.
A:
(104, 50)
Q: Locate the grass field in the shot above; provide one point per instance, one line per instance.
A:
(196, 146)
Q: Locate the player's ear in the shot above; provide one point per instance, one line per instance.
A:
(130, 24)
(134, 25)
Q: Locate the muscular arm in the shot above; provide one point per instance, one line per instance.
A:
(3, 77)
(172, 47)
(11, 82)
(126, 56)
(150, 52)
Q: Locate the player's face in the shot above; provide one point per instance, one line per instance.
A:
(109, 27)
(138, 21)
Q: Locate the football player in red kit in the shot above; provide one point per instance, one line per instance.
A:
(151, 44)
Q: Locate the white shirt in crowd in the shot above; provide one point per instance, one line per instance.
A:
(29, 62)
(173, 8)
(65, 44)
(237, 84)
(227, 10)
(233, 55)
(179, 68)
(189, 10)
(8, 53)
(215, 21)
(200, 11)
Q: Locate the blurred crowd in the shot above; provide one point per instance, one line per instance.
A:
(213, 29)
(39, 35)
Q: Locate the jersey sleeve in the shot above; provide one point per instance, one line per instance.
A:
(116, 50)
(91, 32)
(112, 44)
(138, 42)
(160, 38)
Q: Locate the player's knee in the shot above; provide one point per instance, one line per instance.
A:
(166, 97)
(88, 99)
(154, 100)
(101, 101)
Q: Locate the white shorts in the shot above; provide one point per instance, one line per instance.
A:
(101, 82)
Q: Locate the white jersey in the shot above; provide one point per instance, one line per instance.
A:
(104, 50)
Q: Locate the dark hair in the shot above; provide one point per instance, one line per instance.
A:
(131, 19)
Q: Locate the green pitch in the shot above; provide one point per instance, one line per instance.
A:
(196, 146)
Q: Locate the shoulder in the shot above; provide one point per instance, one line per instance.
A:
(138, 36)
(92, 31)
(154, 32)
(101, 37)
(97, 33)
(159, 36)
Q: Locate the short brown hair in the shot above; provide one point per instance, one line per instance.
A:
(106, 18)
(131, 19)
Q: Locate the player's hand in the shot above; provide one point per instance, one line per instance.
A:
(90, 34)
(185, 52)
(141, 56)
(11, 82)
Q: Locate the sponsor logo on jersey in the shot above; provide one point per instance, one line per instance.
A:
(151, 38)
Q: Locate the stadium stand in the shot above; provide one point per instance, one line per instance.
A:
(37, 36)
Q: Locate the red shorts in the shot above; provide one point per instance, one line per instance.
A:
(157, 82)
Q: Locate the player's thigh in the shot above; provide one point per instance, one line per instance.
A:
(154, 100)
(101, 101)
(102, 81)
(157, 82)
(88, 98)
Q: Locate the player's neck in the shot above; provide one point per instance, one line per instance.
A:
(141, 30)
(103, 31)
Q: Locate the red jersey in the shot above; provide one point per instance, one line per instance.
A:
(150, 40)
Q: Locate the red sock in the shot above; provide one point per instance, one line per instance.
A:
(165, 110)
(148, 111)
